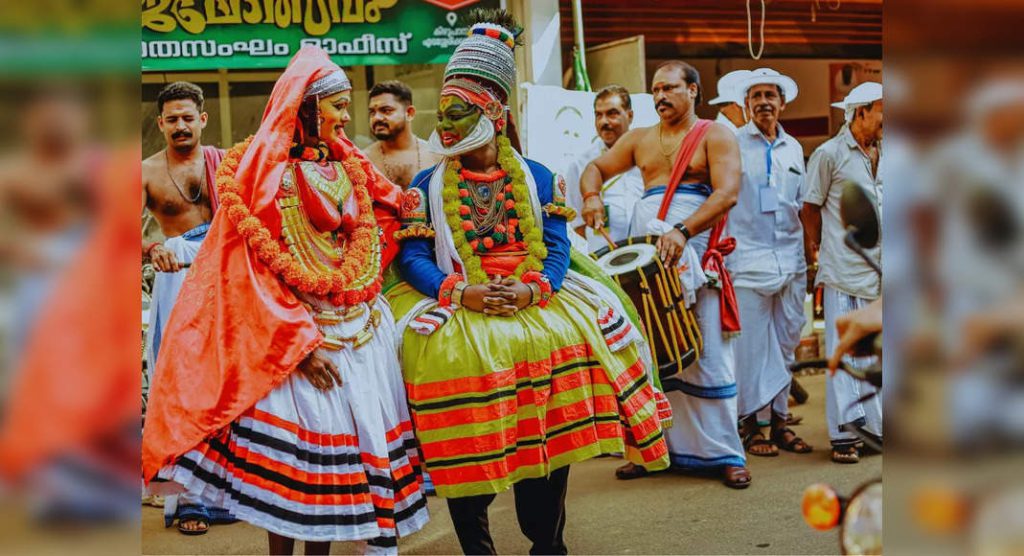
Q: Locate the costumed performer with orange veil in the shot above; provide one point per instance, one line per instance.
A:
(278, 393)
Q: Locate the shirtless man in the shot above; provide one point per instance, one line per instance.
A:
(398, 154)
(704, 434)
(175, 188)
(178, 189)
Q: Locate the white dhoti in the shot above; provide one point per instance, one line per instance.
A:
(166, 286)
(704, 414)
(842, 390)
(772, 316)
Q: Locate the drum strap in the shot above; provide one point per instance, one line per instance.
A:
(718, 246)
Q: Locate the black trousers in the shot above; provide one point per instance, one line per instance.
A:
(540, 509)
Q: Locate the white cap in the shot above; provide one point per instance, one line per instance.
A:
(993, 95)
(727, 88)
(862, 94)
(865, 93)
(768, 76)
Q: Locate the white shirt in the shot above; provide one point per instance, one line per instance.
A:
(620, 195)
(837, 160)
(766, 218)
(721, 119)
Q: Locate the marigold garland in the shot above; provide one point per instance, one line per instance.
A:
(537, 251)
(356, 280)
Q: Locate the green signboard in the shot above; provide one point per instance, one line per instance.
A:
(190, 35)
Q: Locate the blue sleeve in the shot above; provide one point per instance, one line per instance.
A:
(416, 259)
(556, 264)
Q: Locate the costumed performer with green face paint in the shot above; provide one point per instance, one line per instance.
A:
(515, 366)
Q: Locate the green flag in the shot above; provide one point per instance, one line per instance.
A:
(579, 71)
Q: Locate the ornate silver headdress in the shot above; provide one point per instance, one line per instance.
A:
(328, 85)
(485, 54)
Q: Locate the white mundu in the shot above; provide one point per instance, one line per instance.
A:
(704, 413)
(620, 194)
(768, 268)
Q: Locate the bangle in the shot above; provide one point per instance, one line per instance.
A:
(536, 278)
(535, 293)
(590, 194)
(147, 249)
(457, 292)
(444, 295)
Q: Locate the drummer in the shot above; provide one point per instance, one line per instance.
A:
(704, 435)
(768, 268)
(613, 114)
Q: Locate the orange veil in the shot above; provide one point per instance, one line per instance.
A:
(237, 330)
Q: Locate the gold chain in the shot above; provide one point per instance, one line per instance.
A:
(661, 142)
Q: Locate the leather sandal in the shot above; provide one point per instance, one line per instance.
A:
(736, 477)
(756, 440)
(795, 444)
(845, 454)
(630, 471)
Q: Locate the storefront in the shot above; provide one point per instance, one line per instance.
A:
(827, 47)
(236, 49)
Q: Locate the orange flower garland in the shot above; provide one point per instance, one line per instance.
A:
(358, 277)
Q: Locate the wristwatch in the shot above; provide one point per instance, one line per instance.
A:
(682, 228)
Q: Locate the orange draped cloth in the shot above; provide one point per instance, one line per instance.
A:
(237, 330)
(78, 378)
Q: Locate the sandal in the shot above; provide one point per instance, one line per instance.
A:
(845, 454)
(154, 500)
(630, 471)
(221, 516)
(193, 513)
(756, 440)
(737, 477)
(795, 444)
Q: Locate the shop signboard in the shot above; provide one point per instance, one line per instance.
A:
(193, 35)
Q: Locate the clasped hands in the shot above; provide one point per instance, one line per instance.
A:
(501, 297)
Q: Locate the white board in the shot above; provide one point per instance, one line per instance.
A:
(560, 123)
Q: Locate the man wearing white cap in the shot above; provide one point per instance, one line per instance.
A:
(849, 282)
(768, 268)
(730, 100)
(613, 114)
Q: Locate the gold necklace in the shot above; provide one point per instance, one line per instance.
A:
(192, 199)
(661, 142)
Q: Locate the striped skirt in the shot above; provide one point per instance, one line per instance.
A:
(499, 399)
(321, 466)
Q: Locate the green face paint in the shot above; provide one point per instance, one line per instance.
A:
(456, 119)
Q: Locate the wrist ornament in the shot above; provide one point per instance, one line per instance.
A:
(458, 292)
(534, 278)
(683, 229)
(447, 291)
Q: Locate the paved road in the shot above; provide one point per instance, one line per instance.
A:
(662, 514)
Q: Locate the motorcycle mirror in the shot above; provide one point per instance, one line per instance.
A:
(858, 212)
